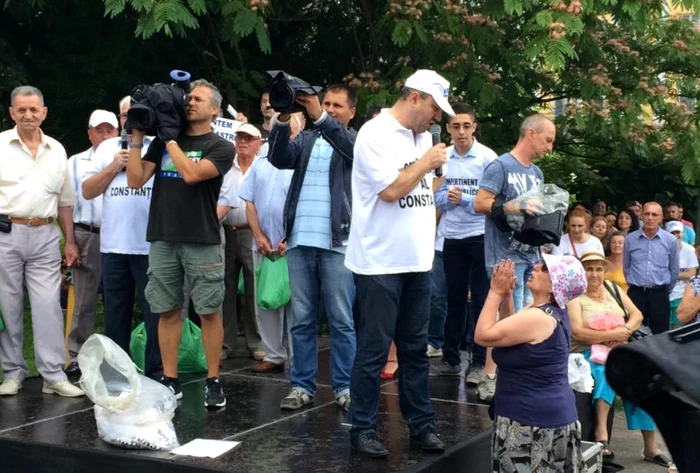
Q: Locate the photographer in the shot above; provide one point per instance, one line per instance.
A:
(317, 224)
(184, 230)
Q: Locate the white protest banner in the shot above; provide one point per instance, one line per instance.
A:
(226, 128)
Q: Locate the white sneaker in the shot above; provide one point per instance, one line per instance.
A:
(434, 352)
(10, 387)
(486, 388)
(475, 375)
(63, 388)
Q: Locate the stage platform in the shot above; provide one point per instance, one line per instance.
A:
(44, 433)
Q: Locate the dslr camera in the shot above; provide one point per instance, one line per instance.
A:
(159, 109)
(283, 89)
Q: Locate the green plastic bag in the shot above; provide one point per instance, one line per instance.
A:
(273, 283)
(190, 357)
(241, 283)
(2, 324)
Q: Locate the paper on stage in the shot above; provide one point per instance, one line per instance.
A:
(205, 448)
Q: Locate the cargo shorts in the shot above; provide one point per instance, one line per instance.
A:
(171, 266)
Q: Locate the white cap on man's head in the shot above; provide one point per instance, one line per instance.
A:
(99, 117)
(249, 129)
(433, 84)
(674, 226)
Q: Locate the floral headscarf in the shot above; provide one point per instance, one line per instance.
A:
(568, 277)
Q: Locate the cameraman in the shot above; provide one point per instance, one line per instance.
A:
(316, 228)
(184, 230)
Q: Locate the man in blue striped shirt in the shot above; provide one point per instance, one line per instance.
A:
(317, 216)
(651, 264)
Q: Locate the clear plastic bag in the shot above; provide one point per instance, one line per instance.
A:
(131, 411)
(542, 200)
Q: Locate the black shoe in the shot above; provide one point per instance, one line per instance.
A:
(429, 441)
(73, 369)
(173, 384)
(367, 444)
(214, 393)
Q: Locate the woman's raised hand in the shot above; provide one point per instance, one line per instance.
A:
(503, 277)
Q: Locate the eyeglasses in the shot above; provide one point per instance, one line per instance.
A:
(123, 115)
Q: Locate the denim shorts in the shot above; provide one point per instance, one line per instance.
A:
(171, 266)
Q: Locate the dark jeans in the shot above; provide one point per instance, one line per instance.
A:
(655, 307)
(465, 269)
(393, 306)
(122, 277)
(438, 303)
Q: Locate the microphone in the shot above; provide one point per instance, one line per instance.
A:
(435, 130)
(124, 138)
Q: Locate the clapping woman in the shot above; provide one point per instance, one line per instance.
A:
(536, 420)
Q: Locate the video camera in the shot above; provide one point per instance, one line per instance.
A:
(159, 109)
(283, 89)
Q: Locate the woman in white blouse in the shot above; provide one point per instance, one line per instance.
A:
(578, 240)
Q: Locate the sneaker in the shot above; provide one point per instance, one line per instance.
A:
(445, 369)
(434, 352)
(486, 388)
(296, 399)
(258, 355)
(10, 387)
(173, 384)
(63, 388)
(344, 401)
(475, 374)
(214, 393)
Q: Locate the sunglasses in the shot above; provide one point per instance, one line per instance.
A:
(543, 266)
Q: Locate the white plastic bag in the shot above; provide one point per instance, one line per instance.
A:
(580, 377)
(131, 411)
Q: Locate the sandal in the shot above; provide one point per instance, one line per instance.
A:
(660, 459)
(387, 374)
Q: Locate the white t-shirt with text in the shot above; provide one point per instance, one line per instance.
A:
(688, 260)
(124, 210)
(389, 237)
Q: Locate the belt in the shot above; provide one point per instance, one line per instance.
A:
(32, 222)
(89, 228)
(650, 288)
(237, 227)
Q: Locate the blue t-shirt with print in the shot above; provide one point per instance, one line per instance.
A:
(508, 178)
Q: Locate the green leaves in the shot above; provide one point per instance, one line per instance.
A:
(402, 33)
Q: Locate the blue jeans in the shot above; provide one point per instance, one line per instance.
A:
(438, 302)
(124, 276)
(310, 269)
(392, 307)
(521, 295)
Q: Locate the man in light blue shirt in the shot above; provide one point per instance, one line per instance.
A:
(463, 249)
(651, 263)
(317, 215)
(265, 191)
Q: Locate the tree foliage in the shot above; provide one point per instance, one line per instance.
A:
(622, 75)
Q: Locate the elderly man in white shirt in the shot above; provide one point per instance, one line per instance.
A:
(87, 215)
(239, 246)
(35, 189)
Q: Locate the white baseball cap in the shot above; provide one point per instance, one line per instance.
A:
(249, 129)
(674, 226)
(432, 83)
(103, 116)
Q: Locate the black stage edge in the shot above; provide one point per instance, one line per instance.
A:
(43, 433)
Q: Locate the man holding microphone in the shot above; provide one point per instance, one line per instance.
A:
(390, 252)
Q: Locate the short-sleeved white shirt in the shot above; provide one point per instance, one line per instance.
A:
(33, 187)
(389, 237)
(87, 212)
(124, 210)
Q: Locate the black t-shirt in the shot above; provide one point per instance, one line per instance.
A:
(264, 133)
(181, 212)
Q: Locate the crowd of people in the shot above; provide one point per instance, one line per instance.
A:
(407, 264)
